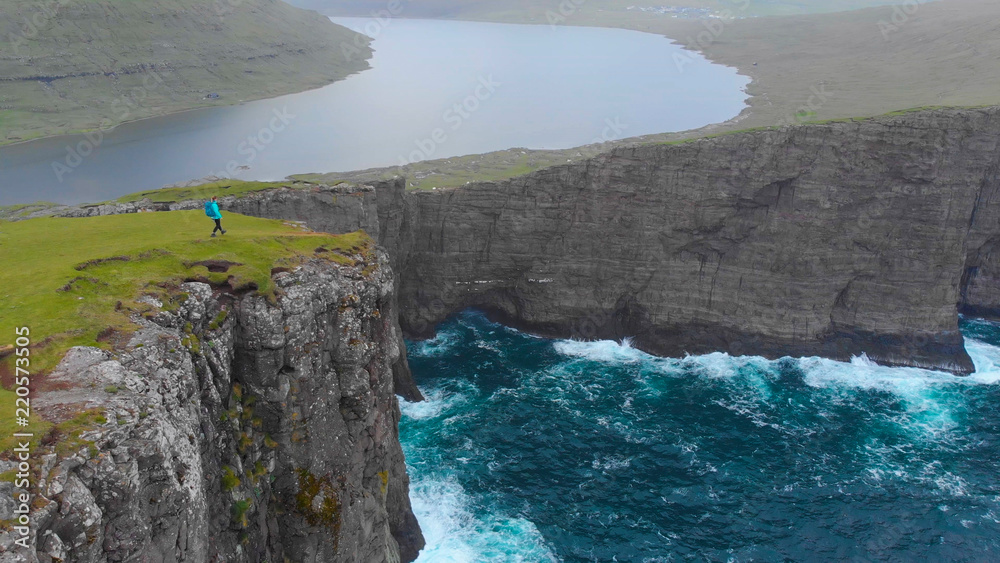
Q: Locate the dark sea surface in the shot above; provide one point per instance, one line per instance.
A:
(531, 449)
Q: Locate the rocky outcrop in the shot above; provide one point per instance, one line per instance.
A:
(235, 430)
(343, 208)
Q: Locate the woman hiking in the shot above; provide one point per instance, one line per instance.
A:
(212, 210)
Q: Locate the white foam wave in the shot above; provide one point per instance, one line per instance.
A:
(986, 358)
(930, 397)
(440, 345)
(436, 402)
(605, 351)
(611, 462)
(458, 532)
(860, 373)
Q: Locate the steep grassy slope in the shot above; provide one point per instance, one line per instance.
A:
(72, 65)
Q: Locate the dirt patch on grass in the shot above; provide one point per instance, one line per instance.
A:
(215, 266)
(98, 261)
(71, 284)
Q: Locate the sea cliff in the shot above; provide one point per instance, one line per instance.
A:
(233, 429)
(270, 431)
(831, 239)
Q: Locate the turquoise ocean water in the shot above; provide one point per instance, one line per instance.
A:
(530, 449)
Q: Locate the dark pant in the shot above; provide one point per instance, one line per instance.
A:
(218, 226)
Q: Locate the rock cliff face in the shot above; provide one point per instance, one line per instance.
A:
(237, 431)
(831, 239)
(826, 239)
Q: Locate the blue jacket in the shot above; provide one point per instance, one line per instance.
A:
(212, 210)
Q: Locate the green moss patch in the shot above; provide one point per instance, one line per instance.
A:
(66, 437)
(229, 479)
(240, 509)
(317, 501)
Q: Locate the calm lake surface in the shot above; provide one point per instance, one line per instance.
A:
(537, 87)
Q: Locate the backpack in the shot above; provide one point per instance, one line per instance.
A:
(208, 209)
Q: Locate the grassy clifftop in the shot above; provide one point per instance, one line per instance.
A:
(74, 65)
(83, 281)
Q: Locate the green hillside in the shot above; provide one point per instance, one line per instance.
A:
(74, 65)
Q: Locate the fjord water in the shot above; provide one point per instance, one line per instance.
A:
(530, 449)
(517, 86)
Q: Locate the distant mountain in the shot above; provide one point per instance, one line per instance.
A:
(68, 66)
(536, 10)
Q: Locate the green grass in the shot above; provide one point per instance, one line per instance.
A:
(67, 435)
(57, 279)
(205, 191)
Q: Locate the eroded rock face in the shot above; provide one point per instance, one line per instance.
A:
(831, 239)
(238, 431)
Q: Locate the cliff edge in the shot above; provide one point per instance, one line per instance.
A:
(231, 424)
